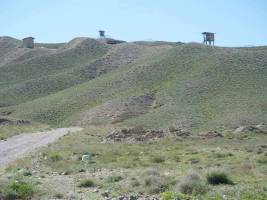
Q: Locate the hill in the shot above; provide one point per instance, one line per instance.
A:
(152, 84)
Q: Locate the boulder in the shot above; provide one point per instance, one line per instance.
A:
(86, 157)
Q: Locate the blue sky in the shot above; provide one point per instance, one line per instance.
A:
(235, 22)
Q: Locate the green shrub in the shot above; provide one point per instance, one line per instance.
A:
(27, 173)
(87, 183)
(194, 160)
(135, 182)
(59, 196)
(158, 159)
(262, 160)
(115, 178)
(177, 158)
(18, 190)
(155, 184)
(192, 184)
(54, 156)
(216, 178)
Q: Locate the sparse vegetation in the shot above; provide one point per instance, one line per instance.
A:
(54, 92)
(136, 87)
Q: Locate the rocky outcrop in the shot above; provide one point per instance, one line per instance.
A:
(136, 134)
(260, 129)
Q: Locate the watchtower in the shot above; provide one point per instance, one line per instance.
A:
(208, 38)
(102, 34)
(28, 42)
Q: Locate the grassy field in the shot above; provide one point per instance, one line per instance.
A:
(169, 167)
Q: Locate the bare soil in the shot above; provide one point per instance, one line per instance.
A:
(22, 144)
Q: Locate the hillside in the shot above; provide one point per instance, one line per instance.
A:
(155, 85)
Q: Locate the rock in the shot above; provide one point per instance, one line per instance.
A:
(96, 190)
(210, 134)
(251, 129)
(135, 134)
(105, 194)
(5, 113)
(5, 121)
(71, 196)
(179, 131)
(262, 127)
(86, 157)
(134, 197)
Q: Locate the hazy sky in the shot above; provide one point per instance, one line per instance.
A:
(235, 22)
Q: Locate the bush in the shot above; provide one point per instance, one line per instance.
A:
(155, 184)
(27, 173)
(112, 179)
(87, 183)
(262, 160)
(158, 159)
(192, 184)
(59, 196)
(18, 190)
(54, 156)
(135, 182)
(216, 178)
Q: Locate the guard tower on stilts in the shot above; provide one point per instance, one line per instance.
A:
(102, 34)
(208, 38)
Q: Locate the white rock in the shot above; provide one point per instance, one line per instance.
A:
(86, 157)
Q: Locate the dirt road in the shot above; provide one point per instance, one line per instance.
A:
(22, 144)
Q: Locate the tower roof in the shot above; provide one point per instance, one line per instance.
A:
(208, 33)
(28, 38)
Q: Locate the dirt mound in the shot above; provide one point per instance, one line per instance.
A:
(136, 134)
(5, 121)
(117, 110)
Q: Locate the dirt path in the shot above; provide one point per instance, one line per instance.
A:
(22, 144)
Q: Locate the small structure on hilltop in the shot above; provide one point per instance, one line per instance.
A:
(102, 34)
(208, 38)
(28, 42)
(106, 39)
